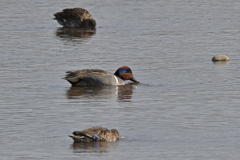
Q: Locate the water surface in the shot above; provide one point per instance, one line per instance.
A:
(186, 107)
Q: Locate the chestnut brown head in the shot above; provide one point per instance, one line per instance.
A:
(125, 73)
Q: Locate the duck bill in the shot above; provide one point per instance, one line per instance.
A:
(134, 80)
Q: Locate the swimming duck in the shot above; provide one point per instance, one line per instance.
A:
(95, 134)
(97, 77)
(75, 18)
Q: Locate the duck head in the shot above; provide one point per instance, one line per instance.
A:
(116, 133)
(125, 73)
(90, 23)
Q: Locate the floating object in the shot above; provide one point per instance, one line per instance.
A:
(220, 58)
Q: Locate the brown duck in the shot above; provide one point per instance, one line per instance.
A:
(95, 134)
(75, 18)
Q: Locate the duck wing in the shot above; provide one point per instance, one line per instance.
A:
(90, 77)
(90, 132)
(76, 14)
(89, 135)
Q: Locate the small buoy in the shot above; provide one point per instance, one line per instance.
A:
(220, 58)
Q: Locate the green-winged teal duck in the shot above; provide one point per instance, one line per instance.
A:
(75, 18)
(95, 134)
(97, 77)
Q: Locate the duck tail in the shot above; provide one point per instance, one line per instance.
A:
(72, 83)
(71, 77)
(77, 138)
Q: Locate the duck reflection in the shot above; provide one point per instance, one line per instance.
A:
(123, 93)
(221, 63)
(73, 33)
(93, 147)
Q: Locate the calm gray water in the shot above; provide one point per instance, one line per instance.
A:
(186, 107)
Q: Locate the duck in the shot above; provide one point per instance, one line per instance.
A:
(75, 18)
(95, 134)
(98, 77)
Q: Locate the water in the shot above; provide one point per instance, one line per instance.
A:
(186, 107)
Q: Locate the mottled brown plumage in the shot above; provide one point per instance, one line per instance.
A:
(75, 18)
(95, 134)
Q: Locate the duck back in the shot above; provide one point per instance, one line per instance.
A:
(92, 77)
(95, 134)
(75, 18)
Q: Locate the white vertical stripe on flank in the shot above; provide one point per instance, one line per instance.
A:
(116, 80)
